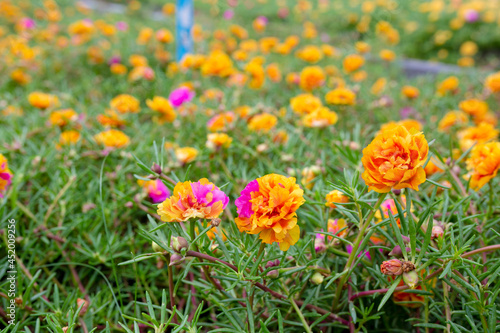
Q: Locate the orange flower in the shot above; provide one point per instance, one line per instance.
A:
(125, 104)
(256, 72)
(321, 117)
(42, 101)
(310, 53)
(273, 72)
(267, 206)
(394, 160)
(202, 200)
(483, 164)
(110, 119)
(186, 154)
(482, 133)
(220, 122)
(378, 86)
(5, 175)
(262, 122)
(493, 82)
(341, 96)
(335, 196)
(353, 62)
(305, 103)
(404, 297)
(431, 167)
(474, 107)
(112, 139)
(408, 123)
(63, 117)
(68, 138)
(410, 92)
(311, 77)
(449, 84)
(451, 119)
(387, 55)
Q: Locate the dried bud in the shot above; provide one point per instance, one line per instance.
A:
(85, 306)
(273, 274)
(408, 266)
(392, 267)
(65, 329)
(176, 259)
(437, 231)
(273, 263)
(215, 222)
(156, 247)
(156, 168)
(411, 279)
(317, 278)
(178, 243)
(396, 192)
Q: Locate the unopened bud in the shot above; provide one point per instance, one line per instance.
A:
(156, 247)
(319, 245)
(178, 243)
(215, 222)
(392, 267)
(437, 231)
(273, 274)
(396, 192)
(65, 329)
(317, 278)
(272, 263)
(176, 259)
(411, 279)
(156, 168)
(85, 306)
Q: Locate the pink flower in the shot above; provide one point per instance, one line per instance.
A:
(180, 96)
(471, 16)
(208, 194)
(122, 26)
(116, 59)
(243, 204)
(158, 191)
(228, 14)
(28, 23)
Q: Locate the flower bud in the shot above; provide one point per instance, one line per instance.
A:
(176, 259)
(156, 168)
(392, 267)
(273, 263)
(273, 274)
(396, 192)
(319, 245)
(156, 247)
(437, 231)
(178, 243)
(317, 278)
(215, 222)
(85, 306)
(411, 279)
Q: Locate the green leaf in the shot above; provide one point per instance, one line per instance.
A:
(389, 292)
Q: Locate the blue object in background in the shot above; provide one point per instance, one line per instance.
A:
(184, 24)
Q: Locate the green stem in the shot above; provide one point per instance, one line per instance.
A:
(362, 226)
(301, 316)
(490, 202)
(446, 307)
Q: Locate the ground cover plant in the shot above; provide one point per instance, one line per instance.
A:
(284, 177)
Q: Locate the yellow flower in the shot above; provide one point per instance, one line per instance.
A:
(310, 53)
(112, 139)
(186, 154)
(395, 159)
(321, 117)
(311, 78)
(68, 138)
(118, 69)
(125, 104)
(305, 103)
(378, 86)
(353, 62)
(217, 63)
(341, 96)
(335, 196)
(273, 72)
(387, 55)
(163, 106)
(218, 140)
(483, 164)
(468, 49)
(164, 36)
(362, 47)
(262, 122)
